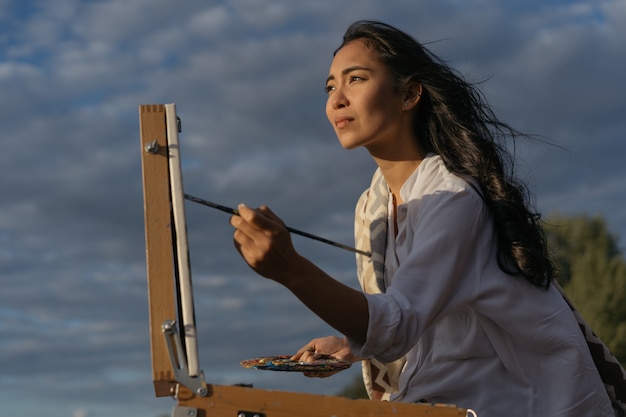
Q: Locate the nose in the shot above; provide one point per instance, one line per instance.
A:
(338, 99)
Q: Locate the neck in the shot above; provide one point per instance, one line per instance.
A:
(397, 163)
(398, 156)
(396, 173)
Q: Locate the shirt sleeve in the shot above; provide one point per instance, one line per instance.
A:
(439, 271)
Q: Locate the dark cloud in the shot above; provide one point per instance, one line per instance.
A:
(248, 82)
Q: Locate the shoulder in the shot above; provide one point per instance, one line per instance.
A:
(433, 182)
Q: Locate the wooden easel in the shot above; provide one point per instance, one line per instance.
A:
(175, 368)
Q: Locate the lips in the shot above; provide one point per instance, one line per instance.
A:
(341, 122)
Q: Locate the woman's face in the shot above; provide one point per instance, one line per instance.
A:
(362, 105)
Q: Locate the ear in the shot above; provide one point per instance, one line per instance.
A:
(412, 96)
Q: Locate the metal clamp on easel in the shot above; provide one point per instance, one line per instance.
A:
(178, 359)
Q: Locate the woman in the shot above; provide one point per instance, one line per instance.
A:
(457, 305)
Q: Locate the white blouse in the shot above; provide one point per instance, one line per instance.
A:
(473, 336)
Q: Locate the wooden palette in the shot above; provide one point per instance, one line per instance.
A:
(285, 364)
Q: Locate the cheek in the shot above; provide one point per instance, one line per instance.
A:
(385, 106)
(329, 112)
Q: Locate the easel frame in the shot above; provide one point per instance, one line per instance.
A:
(171, 358)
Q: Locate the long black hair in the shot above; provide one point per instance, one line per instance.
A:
(454, 120)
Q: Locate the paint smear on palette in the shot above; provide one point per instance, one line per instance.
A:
(285, 364)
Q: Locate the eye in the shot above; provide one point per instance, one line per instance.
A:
(354, 78)
(329, 88)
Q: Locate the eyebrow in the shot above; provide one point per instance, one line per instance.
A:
(349, 70)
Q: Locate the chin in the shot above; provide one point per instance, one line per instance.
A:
(348, 144)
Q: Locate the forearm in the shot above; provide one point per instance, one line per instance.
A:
(263, 241)
(342, 307)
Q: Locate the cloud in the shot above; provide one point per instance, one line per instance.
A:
(248, 79)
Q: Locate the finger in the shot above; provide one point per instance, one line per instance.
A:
(261, 218)
(306, 354)
(304, 349)
(242, 230)
(241, 241)
(251, 216)
(245, 235)
(242, 224)
(267, 212)
(312, 374)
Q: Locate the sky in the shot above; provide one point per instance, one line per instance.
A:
(247, 77)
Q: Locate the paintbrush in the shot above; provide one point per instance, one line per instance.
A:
(290, 229)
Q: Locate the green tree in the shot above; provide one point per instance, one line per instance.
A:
(592, 272)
